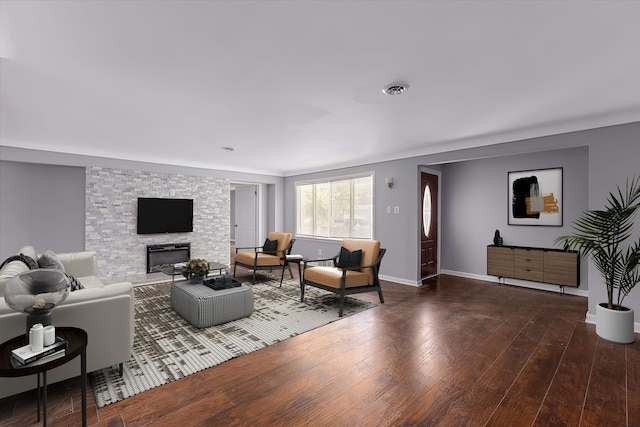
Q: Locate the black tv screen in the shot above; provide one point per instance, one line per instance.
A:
(157, 215)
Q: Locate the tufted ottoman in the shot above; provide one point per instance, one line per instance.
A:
(203, 307)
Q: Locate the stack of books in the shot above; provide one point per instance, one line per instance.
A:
(24, 356)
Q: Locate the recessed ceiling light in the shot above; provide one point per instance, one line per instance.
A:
(228, 149)
(395, 89)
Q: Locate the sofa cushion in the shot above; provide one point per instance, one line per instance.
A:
(332, 277)
(80, 264)
(282, 238)
(49, 259)
(370, 252)
(90, 282)
(248, 258)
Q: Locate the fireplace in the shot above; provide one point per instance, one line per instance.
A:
(170, 253)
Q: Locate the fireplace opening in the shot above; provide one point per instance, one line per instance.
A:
(170, 253)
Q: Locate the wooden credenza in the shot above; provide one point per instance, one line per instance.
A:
(554, 266)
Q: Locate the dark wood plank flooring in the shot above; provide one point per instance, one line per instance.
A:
(453, 352)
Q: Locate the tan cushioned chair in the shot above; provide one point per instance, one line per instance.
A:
(346, 281)
(255, 259)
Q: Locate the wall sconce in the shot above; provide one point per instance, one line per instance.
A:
(389, 181)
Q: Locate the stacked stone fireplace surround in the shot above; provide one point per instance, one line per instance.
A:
(111, 209)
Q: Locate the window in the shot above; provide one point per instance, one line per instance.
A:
(337, 208)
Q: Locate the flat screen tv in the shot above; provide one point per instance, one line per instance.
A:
(156, 215)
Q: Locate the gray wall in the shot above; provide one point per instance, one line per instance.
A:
(59, 176)
(396, 232)
(42, 206)
(475, 203)
(473, 206)
(612, 155)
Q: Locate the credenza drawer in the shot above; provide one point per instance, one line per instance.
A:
(534, 264)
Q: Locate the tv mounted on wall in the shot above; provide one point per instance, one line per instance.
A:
(156, 215)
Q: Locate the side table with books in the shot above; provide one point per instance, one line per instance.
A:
(16, 360)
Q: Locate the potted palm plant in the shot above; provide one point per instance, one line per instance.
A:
(605, 235)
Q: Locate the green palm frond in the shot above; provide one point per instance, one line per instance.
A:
(601, 234)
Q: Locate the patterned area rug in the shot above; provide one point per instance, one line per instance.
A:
(167, 347)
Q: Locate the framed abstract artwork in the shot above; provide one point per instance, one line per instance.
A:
(535, 197)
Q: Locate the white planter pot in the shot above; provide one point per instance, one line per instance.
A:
(614, 325)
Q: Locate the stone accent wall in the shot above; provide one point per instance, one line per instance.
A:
(110, 226)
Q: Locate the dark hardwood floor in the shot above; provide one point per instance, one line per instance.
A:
(453, 352)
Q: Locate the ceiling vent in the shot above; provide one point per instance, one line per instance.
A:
(395, 89)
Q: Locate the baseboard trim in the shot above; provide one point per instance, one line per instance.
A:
(399, 280)
(521, 283)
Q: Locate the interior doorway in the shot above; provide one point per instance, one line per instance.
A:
(429, 224)
(244, 220)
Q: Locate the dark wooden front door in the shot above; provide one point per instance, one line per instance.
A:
(429, 227)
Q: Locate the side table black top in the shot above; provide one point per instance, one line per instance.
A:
(77, 342)
(76, 345)
(173, 271)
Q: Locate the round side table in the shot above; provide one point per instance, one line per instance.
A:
(76, 345)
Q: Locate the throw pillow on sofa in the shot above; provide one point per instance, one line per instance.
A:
(75, 283)
(49, 259)
(30, 262)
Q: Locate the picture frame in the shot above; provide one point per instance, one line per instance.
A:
(535, 197)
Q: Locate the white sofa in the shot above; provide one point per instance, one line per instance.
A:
(105, 312)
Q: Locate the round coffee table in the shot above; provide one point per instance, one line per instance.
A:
(76, 345)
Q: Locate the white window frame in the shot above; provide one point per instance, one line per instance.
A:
(330, 180)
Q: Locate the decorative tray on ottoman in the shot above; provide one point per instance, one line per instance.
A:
(218, 283)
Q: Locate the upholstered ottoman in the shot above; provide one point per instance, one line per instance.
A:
(203, 307)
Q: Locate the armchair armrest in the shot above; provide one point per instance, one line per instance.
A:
(249, 247)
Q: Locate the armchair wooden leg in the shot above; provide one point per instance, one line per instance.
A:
(381, 297)
(282, 276)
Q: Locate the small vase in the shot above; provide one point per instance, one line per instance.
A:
(196, 280)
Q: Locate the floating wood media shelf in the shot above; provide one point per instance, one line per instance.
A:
(553, 266)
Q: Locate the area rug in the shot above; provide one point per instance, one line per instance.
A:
(167, 347)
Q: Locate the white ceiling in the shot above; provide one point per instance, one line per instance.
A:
(297, 86)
